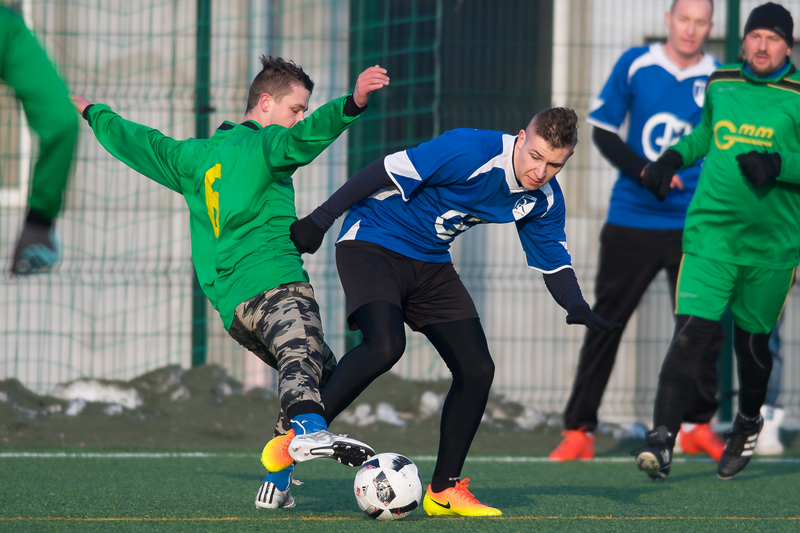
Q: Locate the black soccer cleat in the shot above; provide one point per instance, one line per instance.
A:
(656, 458)
(739, 445)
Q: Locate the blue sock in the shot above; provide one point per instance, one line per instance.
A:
(281, 479)
(309, 423)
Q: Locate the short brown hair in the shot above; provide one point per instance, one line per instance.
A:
(276, 78)
(675, 2)
(558, 126)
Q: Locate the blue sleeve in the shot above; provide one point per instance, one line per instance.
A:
(543, 238)
(609, 110)
(449, 158)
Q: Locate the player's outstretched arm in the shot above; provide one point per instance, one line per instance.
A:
(146, 150)
(563, 286)
(308, 232)
(287, 149)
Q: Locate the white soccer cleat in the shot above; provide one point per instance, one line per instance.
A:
(769, 442)
(347, 451)
(269, 497)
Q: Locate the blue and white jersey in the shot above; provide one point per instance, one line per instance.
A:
(657, 103)
(445, 186)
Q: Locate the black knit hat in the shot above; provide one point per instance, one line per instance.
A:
(772, 17)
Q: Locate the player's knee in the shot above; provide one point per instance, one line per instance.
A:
(479, 374)
(387, 348)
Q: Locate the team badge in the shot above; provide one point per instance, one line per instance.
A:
(524, 206)
(699, 92)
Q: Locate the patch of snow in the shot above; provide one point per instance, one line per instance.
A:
(385, 412)
(54, 409)
(30, 414)
(180, 394)
(91, 390)
(113, 409)
(430, 403)
(3, 396)
(530, 419)
(74, 407)
(361, 416)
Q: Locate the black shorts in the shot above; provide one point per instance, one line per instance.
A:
(428, 293)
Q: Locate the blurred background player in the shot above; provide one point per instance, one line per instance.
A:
(742, 234)
(394, 264)
(769, 442)
(657, 91)
(25, 68)
(238, 187)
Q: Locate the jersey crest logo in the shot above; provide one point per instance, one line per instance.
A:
(662, 131)
(524, 206)
(454, 223)
(699, 92)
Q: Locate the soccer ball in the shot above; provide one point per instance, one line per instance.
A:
(388, 487)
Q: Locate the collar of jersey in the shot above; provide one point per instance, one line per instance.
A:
(247, 123)
(509, 142)
(778, 75)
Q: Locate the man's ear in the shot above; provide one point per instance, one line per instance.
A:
(264, 102)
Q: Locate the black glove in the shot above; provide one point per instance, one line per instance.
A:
(759, 167)
(582, 314)
(38, 248)
(306, 235)
(657, 176)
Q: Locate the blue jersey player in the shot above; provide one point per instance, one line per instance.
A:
(394, 264)
(655, 94)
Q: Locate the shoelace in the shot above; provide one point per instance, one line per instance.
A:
(463, 486)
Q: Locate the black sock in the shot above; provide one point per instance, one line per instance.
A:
(440, 483)
(755, 366)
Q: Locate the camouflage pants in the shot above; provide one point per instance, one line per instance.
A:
(283, 328)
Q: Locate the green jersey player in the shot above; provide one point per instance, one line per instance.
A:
(240, 195)
(742, 232)
(25, 68)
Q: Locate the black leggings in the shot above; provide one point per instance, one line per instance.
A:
(696, 338)
(463, 347)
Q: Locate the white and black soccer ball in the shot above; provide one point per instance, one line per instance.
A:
(388, 487)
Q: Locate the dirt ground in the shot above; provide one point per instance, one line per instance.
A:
(203, 408)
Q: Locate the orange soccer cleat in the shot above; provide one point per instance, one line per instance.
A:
(456, 501)
(701, 439)
(275, 456)
(577, 444)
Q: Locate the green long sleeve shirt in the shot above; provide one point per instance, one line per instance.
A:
(238, 187)
(729, 219)
(25, 68)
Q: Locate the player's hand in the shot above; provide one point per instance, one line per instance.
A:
(306, 235)
(582, 314)
(759, 167)
(658, 177)
(38, 249)
(676, 183)
(79, 102)
(368, 81)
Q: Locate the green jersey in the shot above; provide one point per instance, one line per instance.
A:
(728, 218)
(239, 191)
(25, 68)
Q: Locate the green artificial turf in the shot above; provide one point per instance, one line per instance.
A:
(216, 491)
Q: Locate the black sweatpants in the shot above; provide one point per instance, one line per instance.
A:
(630, 258)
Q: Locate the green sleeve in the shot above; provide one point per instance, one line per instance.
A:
(145, 150)
(25, 68)
(286, 149)
(790, 167)
(697, 144)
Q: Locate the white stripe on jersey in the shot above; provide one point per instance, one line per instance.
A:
(548, 193)
(351, 233)
(504, 160)
(399, 163)
(656, 56)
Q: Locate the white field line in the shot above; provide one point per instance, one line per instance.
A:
(420, 458)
